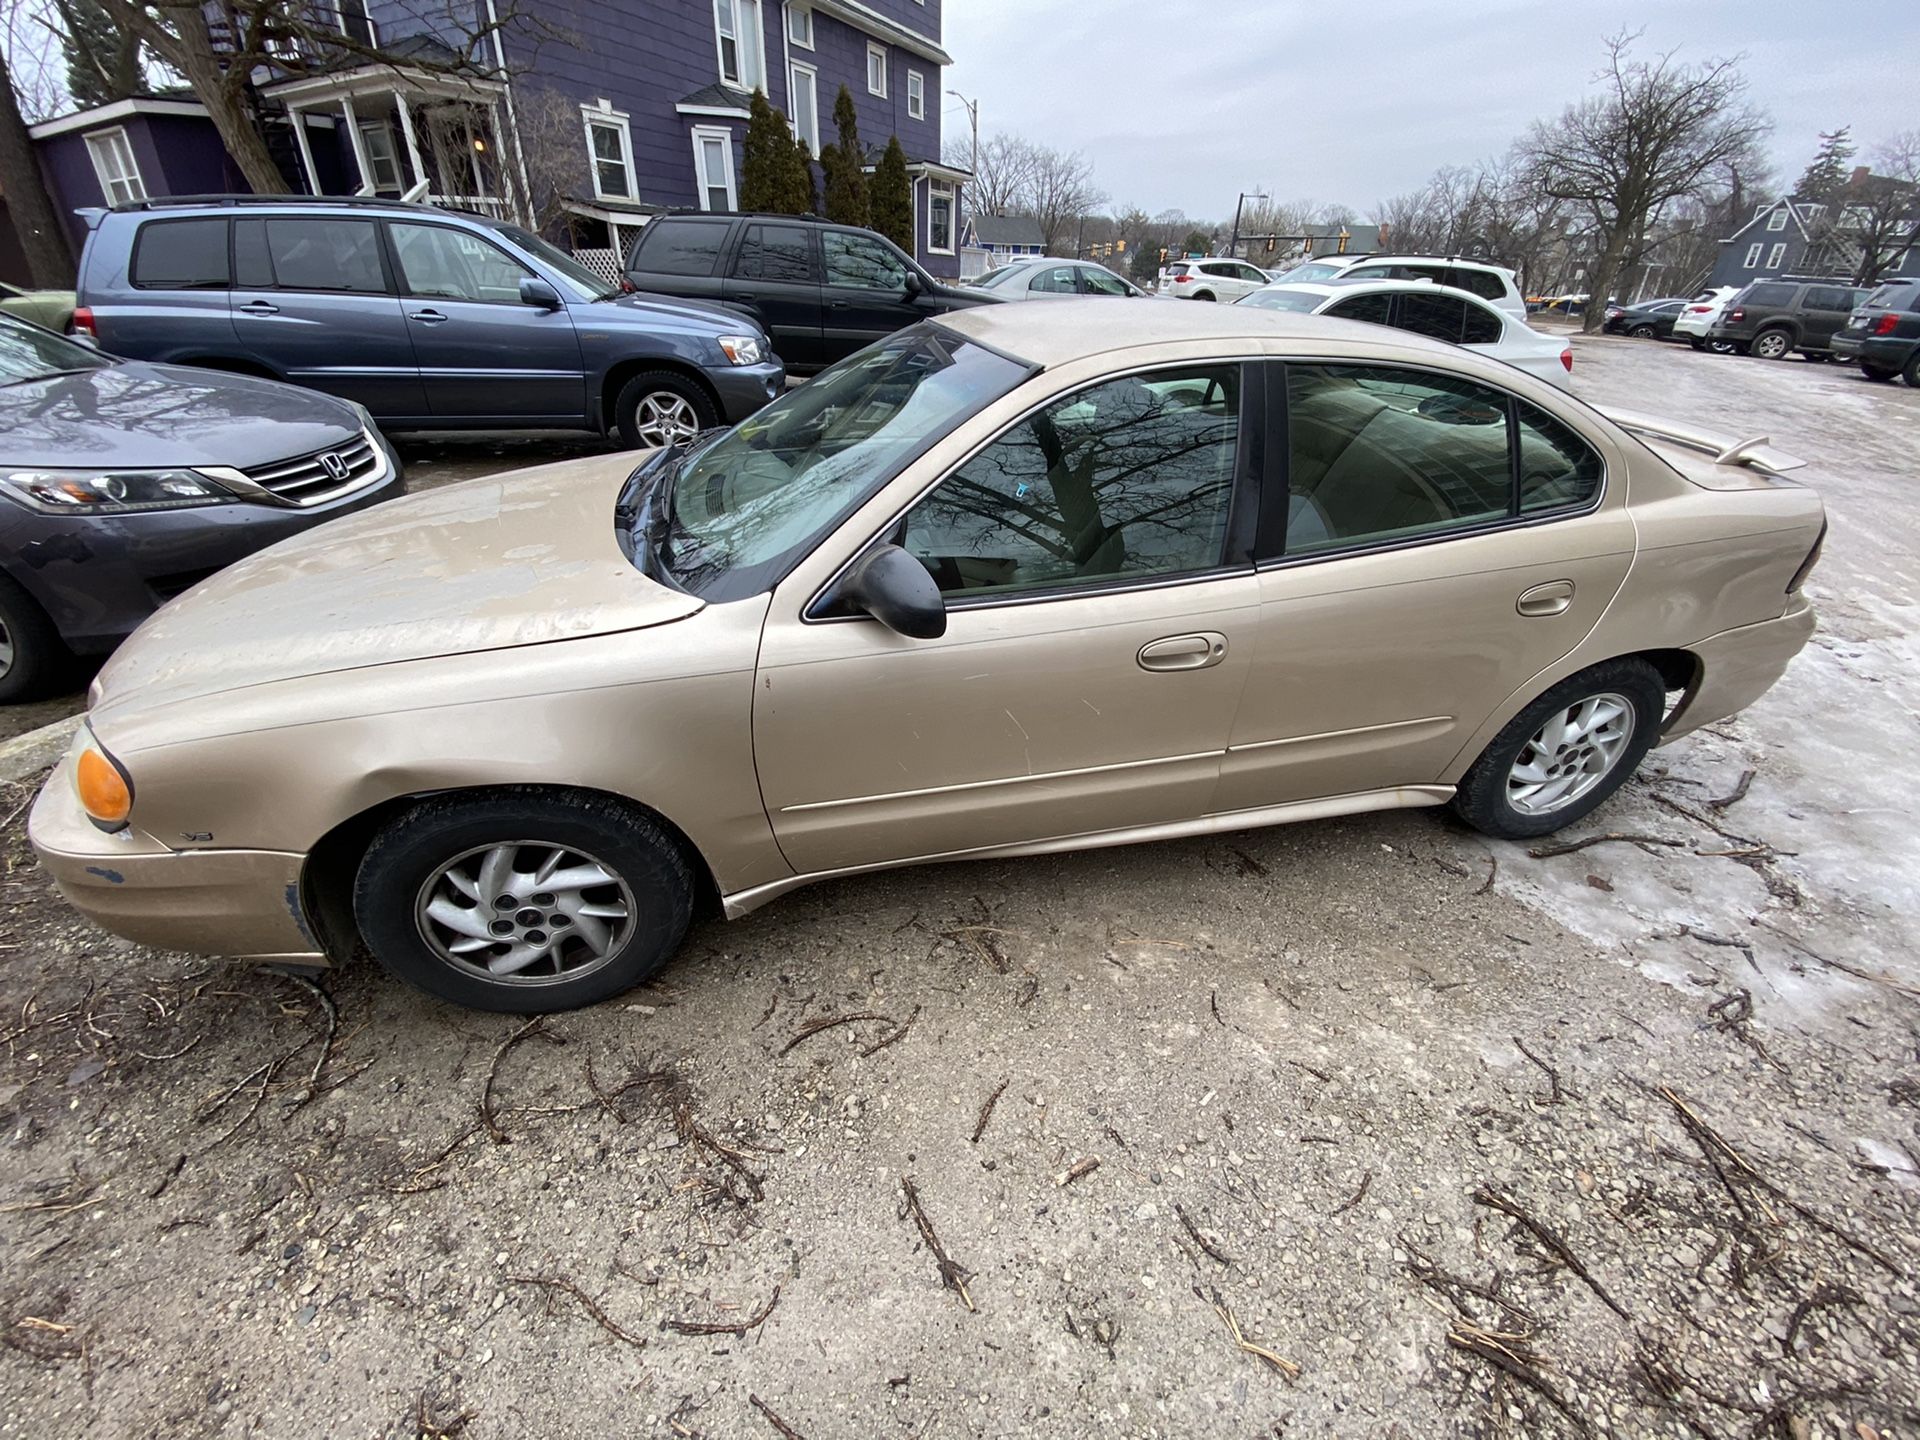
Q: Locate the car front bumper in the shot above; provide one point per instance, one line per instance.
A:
(239, 903)
(743, 389)
(1738, 666)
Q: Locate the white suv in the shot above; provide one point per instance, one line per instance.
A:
(1493, 283)
(1220, 279)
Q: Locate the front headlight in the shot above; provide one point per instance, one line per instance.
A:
(111, 492)
(743, 349)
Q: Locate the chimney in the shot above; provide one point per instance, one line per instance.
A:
(1859, 176)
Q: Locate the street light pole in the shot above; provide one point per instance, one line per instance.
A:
(1245, 195)
(973, 114)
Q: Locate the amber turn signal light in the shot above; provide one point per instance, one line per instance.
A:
(104, 792)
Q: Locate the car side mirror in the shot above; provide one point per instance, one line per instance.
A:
(913, 286)
(895, 589)
(539, 292)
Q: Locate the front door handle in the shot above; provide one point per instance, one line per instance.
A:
(1552, 598)
(259, 307)
(428, 317)
(1184, 652)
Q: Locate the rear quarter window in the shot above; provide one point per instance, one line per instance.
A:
(1769, 295)
(181, 255)
(1484, 283)
(680, 247)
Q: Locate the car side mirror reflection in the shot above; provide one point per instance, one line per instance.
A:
(539, 292)
(895, 589)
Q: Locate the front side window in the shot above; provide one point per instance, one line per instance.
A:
(181, 255)
(1101, 281)
(114, 164)
(916, 95)
(861, 262)
(877, 70)
(310, 254)
(775, 252)
(740, 513)
(609, 140)
(1379, 455)
(449, 264)
(1053, 280)
(1131, 479)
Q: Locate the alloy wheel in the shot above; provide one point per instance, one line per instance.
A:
(1570, 754)
(664, 418)
(525, 912)
(6, 649)
(1770, 346)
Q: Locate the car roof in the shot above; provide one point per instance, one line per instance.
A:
(1384, 259)
(1341, 285)
(172, 204)
(1049, 335)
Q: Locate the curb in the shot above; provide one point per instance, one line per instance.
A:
(25, 756)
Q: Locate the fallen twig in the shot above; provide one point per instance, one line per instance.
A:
(1210, 1250)
(786, 1430)
(535, 1026)
(1081, 1169)
(736, 1327)
(1486, 1195)
(986, 1110)
(311, 1090)
(1274, 1362)
(1556, 1094)
(1739, 791)
(1825, 1298)
(1508, 1354)
(952, 1274)
(1366, 1182)
(892, 1036)
(566, 1286)
(1493, 873)
(1548, 852)
(827, 1022)
(691, 1129)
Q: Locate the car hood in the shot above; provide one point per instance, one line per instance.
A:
(520, 559)
(134, 414)
(645, 307)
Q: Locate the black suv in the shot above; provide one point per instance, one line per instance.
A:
(1884, 333)
(822, 291)
(1773, 318)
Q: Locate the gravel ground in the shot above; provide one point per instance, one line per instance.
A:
(1368, 1127)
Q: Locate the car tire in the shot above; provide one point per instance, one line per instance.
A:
(1771, 345)
(1911, 374)
(1621, 703)
(430, 875)
(32, 656)
(1204, 295)
(1728, 347)
(1642, 332)
(1878, 372)
(659, 407)
(1696, 342)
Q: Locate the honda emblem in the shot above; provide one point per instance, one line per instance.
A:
(333, 465)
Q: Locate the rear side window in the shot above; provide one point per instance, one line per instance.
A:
(1557, 468)
(181, 255)
(686, 247)
(1483, 327)
(1484, 283)
(1440, 316)
(775, 252)
(1768, 295)
(297, 253)
(1829, 297)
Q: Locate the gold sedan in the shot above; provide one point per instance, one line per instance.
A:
(1025, 578)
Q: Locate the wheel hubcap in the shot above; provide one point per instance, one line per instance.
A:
(1570, 754)
(525, 912)
(6, 649)
(664, 418)
(1771, 347)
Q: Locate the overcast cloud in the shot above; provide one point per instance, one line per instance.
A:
(1187, 102)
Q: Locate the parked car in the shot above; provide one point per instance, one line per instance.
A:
(1645, 319)
(1883, 335)
(49, 308)
(1772, 319)
(1492, 283)
(1695, 322)
(1006, 582)
(1043, 278)
(1437, 311)
(1211, 279)
(123, 484)
(432, 319)
(821, 290)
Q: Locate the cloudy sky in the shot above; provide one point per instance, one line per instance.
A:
(1187, 102)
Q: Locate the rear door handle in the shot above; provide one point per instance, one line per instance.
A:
(1552, 598)
(1184, 652)
(428, 317)
(259, 307)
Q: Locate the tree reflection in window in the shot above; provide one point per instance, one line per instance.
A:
(1131, 478)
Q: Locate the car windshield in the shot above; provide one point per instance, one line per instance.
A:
(29, 353)
(998, 277)
(586, 284)
(1276, 298)
(1312, 271)
(734, 517)
(1896, 296)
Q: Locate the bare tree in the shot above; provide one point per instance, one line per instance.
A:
(1003, 177)
(549, 128)
(49, 259)
(1879, 212)
(1060, 192)
(1653, 134)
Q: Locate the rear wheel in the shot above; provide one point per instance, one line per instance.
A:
(1771, 345)
(1877, 372)
(1204, 295)
(1560, 758)
(657, 408)
(1696, 342)
(523, 900)
(31, 654)
(1642, 332)
(1912, 373)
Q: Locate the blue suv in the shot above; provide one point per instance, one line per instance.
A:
(431, 319)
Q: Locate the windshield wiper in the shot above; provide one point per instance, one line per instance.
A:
(50, 375)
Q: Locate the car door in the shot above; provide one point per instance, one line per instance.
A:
(1411, 579)
(484, 353)
(1094, 561)
(863, 292)
(1823, 310)
(775, 276)
(313, 300)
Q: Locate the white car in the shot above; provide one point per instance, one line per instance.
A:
(1493, 283)
(1216, 279)
(1696, 320)
(1440, 311)
(1041, 277)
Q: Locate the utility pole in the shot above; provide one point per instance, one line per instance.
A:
(1245, 195)
(973, 114)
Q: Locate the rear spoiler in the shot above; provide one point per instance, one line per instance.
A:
(1757, 451)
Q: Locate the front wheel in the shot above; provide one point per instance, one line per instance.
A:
(1696, 342)
(1566, 753)
(31, 653)
(523, 900)
(657, 408)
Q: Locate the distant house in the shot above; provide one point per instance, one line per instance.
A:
(639, 110)
(1311, 241)
(1002, 237)
(1793, 237)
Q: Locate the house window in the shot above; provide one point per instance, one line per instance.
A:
(113, 162)
(803, 104)
(742, 59)
(877, 70)
(800, 26)
(939, 217)
(1753, 253)
(1777, 220)
(383, 159)
(355, 23)
(916, 95)
(713, 167)
(1779, 254)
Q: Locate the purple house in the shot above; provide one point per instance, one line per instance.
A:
(587, 128)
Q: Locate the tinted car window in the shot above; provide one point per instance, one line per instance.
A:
(325, 254)
(1130, 478)
(775, 252)
(181, 255)
(1101, 282)
(1440, 316)
(1895, 297)
(1375, 309)
(1482, 327)
(1828, 297)
(453, 264)
(680, 247)
(1484, 283)
(862, 262)
(1557, 467)
(1301, 301)
(1058, 280)
(1378, 455)
(1768, 295)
